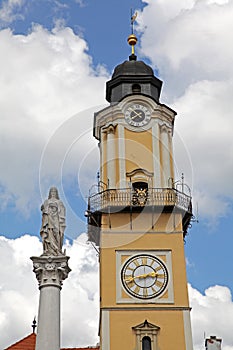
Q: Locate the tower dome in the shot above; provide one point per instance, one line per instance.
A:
(132, 67)
(133, 77)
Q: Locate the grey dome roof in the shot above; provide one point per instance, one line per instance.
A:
(133, 77)
(132, 68)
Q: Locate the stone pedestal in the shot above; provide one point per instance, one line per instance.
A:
(50, 272)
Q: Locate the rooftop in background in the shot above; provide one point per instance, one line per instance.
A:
(29, 343)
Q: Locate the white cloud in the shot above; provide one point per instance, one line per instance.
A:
(204, 122)
(211, 315)
(19, 292)
(8, 10)
(81, 293)
(211, 312)
(188, 41)
(80, 2)
(46, 78)
(17, 287)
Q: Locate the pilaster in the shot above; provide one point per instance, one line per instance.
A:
(122, 160)
(111, 155)
(156, 154)
(166, 170)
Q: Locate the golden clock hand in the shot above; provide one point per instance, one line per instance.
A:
(136, 115)
(150, 274)
(130, 279)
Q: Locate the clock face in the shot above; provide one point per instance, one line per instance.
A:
(144, 276)
(137, 115)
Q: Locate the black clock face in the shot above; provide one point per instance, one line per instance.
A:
(144, 276)
(137, 115)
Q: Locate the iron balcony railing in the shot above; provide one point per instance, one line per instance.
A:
(127, 197)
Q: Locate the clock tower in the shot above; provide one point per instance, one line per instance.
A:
(139, 218)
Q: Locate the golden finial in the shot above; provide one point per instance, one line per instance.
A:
(132, 39)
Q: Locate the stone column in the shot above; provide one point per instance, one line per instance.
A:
(50, 272)
(51, 268)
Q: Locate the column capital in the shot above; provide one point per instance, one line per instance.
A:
(167, 130)
(50, 270)
(109, 129)
(164, 128)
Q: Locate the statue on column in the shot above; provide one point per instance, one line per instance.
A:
(53, 224)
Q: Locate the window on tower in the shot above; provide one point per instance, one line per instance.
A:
(146, 336)
(146, 343)
(136, 89)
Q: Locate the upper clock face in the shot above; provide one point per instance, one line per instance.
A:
(137, 115)
(144, 276)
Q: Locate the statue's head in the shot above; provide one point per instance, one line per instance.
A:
(53, 193)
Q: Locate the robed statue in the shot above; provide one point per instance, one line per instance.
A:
(53, 224)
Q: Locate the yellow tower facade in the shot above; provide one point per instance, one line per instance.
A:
(139, 219)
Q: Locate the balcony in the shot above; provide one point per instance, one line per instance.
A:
(113, 200)
(134, 200)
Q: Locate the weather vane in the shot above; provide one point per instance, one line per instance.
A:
(132, 39)
(133, 18)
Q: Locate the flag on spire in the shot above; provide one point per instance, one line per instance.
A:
(133, 17)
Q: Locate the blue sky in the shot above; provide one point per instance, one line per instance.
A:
(55, 59)
(104, 24)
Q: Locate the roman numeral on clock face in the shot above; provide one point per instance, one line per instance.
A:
(137, 290)
(159, 284)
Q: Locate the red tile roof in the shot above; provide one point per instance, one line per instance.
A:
(29, 343)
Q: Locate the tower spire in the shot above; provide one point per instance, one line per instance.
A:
(34, 325)
(132, 19)
(132, 39)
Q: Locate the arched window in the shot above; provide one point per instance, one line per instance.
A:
(136, 89)
(146, 343)
(146, 336)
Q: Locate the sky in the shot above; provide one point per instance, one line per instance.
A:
(55, 58)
